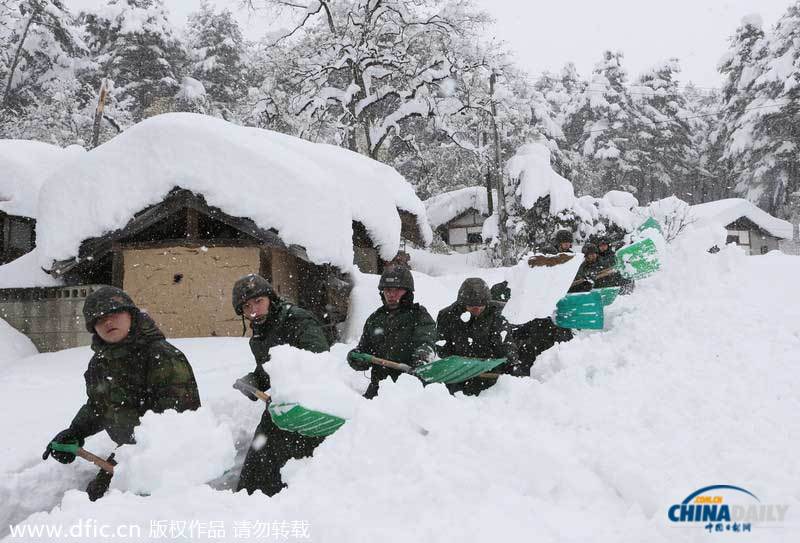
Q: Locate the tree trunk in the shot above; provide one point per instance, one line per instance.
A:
(502, 214)
(18, 53)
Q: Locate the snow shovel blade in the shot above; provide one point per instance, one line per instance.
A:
(649, 223)
(638, 260)
(608, 294)
(581, 311)
(455, 369)
(294, 417)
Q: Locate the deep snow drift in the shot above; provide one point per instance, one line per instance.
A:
(694, 382)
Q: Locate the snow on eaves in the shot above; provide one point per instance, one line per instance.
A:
(724, 212)
(310, 193)
(445, 207)
(24, 165)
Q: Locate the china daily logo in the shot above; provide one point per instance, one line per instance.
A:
(725, 508)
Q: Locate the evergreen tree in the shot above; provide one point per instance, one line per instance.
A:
(133, 45)
(215, 46)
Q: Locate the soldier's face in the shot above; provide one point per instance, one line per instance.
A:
(114, 327)
(591, 257)
(603, 247)
(475, 310)
(256, 308)
(392, 296)
(565, 245)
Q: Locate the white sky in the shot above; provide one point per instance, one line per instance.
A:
(544, 34)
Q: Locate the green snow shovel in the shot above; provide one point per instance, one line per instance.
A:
(650, 223)
(73, 448)
(453, 369)
(608, 294)
(457, 369)
(581, 311)
(293, 417)
(638, 260)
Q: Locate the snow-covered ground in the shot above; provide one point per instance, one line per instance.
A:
(693, 383)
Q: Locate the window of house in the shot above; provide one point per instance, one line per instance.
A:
(740, 237)
(764, 249)
(458, 236)
(474, 237)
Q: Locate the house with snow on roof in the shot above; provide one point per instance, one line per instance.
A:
(458, 216)
(179, 206)
(748, 226)
(23, 166)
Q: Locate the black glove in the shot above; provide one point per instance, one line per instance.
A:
(65, 436)
(250, 380)
(355, 363)
(99, 485)
(422, 355)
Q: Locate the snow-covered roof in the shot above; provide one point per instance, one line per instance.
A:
(25, 272)
(445, 207)
(724, 212)
(23, 166)
(309, 192)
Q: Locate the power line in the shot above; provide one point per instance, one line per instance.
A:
(692, 117)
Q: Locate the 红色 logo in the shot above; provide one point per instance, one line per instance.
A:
(725, 508)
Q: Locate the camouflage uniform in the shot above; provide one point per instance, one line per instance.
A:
(404, 334)
(284, 324)
(486, 336)
(124, 380)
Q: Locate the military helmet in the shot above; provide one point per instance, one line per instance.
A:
(104, 301)
(248, 287)
(397, 277)
(474, 292)
(563, 236)
(590, 249)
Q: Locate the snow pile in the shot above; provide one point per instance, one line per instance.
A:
(310, 193)
(25, 272)
(724, 212)
(535, 291)
(531, 165)
(23, 167)
(311, 380)
(443, 264)
(615, 426)
(445, 207)
(13, 344)
(174, 451)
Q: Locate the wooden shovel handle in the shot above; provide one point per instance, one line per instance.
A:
(96, 460)
(405, 368)
(260, 394)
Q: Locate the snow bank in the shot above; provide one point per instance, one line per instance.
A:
(445, 207)
(441, 264)
(537, 179)
(174, 451)
(679, 392)
(309, 192)
(25, 271)
(23, 167)
(724, 212)
(14, 344)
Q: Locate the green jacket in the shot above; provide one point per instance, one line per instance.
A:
(285, 324)
(405, 334)
(125, 380)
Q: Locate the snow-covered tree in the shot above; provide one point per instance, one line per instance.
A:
(767, 135)
(133, 45)
(40, 45)
(215, 46)
(659, 147)
(597, 127)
